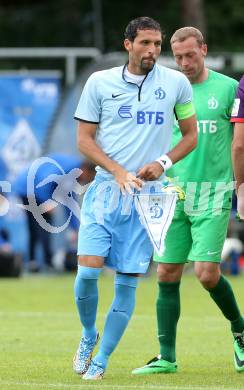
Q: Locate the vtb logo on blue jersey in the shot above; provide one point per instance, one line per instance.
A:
(150, 117)
(142, 117)
(124, 112)
(160, 93)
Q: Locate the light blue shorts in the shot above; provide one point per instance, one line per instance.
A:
(110, 227)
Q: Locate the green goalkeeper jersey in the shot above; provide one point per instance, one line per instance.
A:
(206, 173)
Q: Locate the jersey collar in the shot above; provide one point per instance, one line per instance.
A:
(148, 74)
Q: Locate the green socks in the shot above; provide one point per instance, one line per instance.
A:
(168, 313)
(223, 296)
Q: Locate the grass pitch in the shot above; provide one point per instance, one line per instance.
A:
(40, 332)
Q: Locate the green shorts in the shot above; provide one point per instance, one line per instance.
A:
(195, 238)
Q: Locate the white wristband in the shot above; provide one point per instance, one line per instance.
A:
(165, 162)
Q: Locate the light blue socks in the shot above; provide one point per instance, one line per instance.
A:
(86, 298)
(118, 316)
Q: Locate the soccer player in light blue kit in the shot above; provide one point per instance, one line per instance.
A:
(125, 125)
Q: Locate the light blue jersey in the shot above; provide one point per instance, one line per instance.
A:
(134, 128)
(134, 123)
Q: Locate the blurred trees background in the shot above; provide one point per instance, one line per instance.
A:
(25, 23)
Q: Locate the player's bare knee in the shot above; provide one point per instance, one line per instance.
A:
(169, 272)
(91, 261)
(208, 279)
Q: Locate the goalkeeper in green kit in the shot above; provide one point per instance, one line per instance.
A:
(199, 227)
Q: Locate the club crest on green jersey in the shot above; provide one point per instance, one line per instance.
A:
(213, 103)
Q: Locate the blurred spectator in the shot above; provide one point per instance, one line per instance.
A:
(4, 237)
(10, 262)
(3, 170)
(5, 245)
(70, 260)
(232, 250)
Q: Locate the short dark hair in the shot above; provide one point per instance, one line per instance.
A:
(141, 23)
(186, 32)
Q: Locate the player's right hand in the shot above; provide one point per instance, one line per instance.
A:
(240, 207)
(240, 201)
(127, 181)
(151, 171)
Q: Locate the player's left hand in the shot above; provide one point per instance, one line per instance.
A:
(150, 171)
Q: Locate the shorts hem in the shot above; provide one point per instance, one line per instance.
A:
(205, 260)
(89, 253)
(170, 261)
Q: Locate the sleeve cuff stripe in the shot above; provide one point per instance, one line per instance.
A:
(83, 120)
(239, 120)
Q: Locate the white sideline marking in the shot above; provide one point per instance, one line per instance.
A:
(110, 386)
(71, 315)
